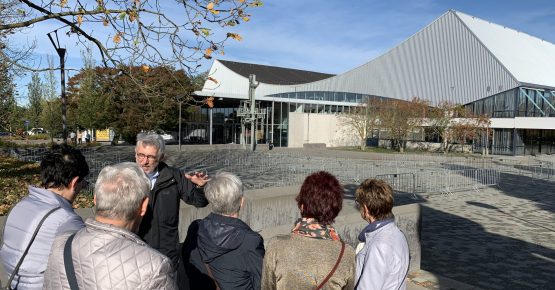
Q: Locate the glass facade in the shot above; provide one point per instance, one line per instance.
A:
(226, 125)
(518, 102)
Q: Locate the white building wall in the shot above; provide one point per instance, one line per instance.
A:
(319, 128)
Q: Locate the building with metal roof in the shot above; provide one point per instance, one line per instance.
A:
(491, 69)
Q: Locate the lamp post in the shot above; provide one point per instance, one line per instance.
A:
(61, 53)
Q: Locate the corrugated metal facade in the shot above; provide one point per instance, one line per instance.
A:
(444, 61)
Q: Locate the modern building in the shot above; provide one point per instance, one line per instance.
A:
(491, 69)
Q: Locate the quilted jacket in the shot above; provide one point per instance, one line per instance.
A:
(20, 226)
(159, 226)
(107, 257)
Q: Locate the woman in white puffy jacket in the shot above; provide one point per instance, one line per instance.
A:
(382, 259)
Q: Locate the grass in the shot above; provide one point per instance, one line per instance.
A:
(16, 176)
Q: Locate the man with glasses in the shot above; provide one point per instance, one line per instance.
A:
(63, 172)
(159, 227)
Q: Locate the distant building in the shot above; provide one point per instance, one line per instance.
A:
(491, 69)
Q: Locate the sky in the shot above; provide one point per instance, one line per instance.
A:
(334, 36)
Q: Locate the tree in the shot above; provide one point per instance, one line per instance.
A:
(34, 95)
(8, 105)
(128, 107)
(400, 118)
(454, 124)
(363, 119)
(133, 32)
(51, 117)
(88, 106)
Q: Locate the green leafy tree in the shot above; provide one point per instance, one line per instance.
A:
(129, 107)
(34, 95)
(51, 116)
(8, 105)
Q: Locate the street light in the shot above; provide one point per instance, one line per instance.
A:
(61, 53)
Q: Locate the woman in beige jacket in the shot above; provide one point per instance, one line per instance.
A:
(312, 256)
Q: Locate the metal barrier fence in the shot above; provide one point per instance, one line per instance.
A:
(269, 169)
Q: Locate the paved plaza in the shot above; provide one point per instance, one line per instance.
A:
(492, 237)
(500, 237)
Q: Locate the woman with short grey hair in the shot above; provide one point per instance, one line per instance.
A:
(221, 250)
(225, 193)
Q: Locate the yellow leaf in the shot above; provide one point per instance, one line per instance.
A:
(222, 52)
(117, 38)
(208, 51)
(215, 12)
(63, 3)
(213, 80)
(210, 6)
(246, 19)
(105, 22)
(210, 102)
(79, 19)
(145, 68)
(235, 36)
(241, 1)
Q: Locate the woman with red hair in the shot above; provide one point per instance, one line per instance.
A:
(313, 255)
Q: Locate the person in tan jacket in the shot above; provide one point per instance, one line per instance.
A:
(107, 254)
(312, 256)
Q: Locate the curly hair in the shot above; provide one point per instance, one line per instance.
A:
(377, 196)
(321, 197)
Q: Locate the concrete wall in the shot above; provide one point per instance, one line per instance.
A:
(273, 211)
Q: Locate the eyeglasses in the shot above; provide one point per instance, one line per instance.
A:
(142, 156)
(84, 183)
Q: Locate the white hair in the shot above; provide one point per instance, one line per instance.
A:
(224, 192)
(120, 189)
(152, 139)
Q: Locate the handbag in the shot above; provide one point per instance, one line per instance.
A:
(334, 267)
(16, 269)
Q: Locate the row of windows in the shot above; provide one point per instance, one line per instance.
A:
(519, 102)
(323, 96)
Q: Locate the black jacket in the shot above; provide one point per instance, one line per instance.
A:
(159, 227)
(229, 247)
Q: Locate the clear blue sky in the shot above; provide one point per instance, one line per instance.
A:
(334, 36)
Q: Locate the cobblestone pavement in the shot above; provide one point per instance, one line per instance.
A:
(496, 238)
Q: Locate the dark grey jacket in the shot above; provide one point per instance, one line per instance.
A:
(159, 228)
(229, 247)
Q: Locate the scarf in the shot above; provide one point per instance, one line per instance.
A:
(372, 227)
(309, 227)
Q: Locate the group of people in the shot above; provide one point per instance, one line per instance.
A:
(133, 242)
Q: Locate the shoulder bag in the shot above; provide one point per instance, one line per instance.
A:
(16, 269)
(334, 267)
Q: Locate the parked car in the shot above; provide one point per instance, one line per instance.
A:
(197, 136)
(168, 138)
(5, 134)
(36, 131)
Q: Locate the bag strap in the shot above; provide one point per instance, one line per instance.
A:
(334, 267)
(16, 269)
(211, 276)
(68, 263)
